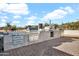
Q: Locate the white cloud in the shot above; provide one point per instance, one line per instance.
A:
(76, 20)
(16, 17)
(4, 17)
(13, 1)
(59, 13)
(15, 22)
(68, 9)
(3, 20)
(31, 20)
(14, 8)
(2, 24)
(39, 1)
(55, 14)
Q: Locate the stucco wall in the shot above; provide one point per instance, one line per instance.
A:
(28, 38)
(8, 40)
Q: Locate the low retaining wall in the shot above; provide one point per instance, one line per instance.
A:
(18, 39)
(15, 40)
(71, 33)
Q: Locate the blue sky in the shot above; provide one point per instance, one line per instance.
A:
(33, 13)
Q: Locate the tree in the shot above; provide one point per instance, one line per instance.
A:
(10, 27)
(56, 26)
(8, 24)
(7, 27)
(46, 24)
(71, 25)
(13, 28)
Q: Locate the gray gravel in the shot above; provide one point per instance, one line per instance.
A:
(41, 49)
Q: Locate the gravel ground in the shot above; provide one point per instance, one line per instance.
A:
(41, 49)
